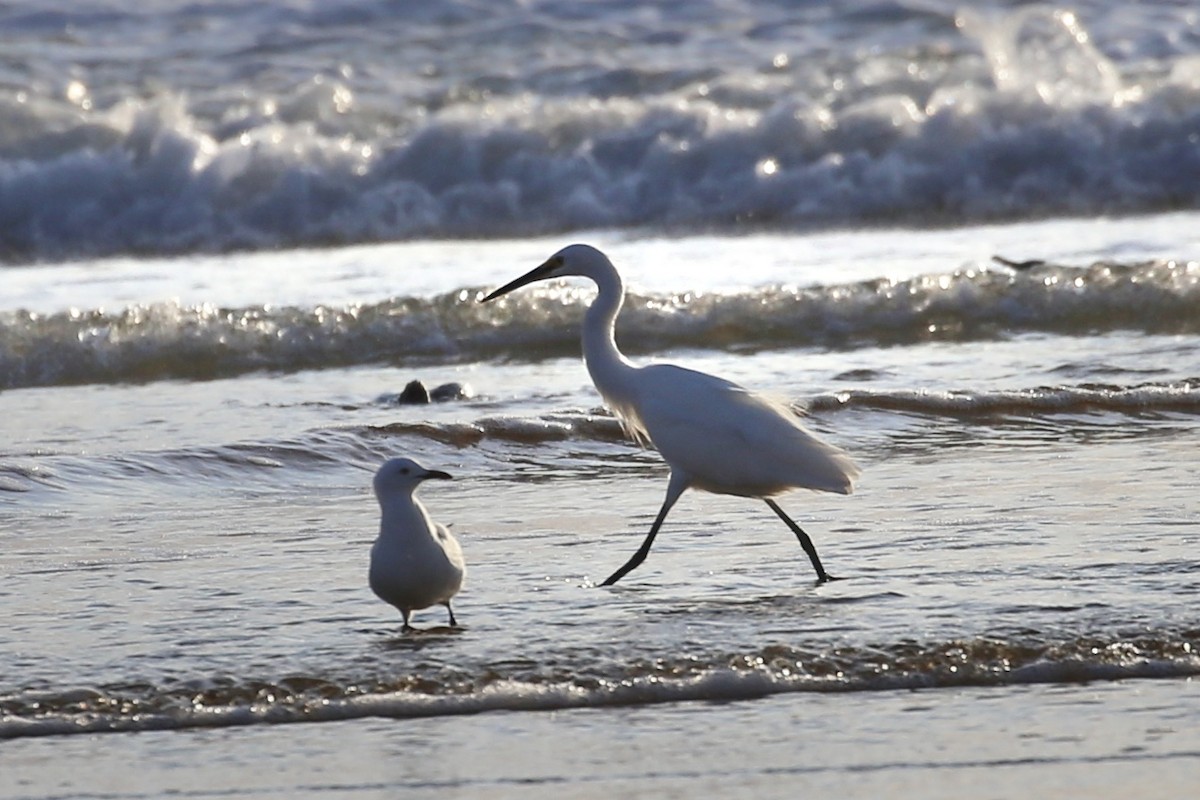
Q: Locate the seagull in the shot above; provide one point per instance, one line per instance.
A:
(715, 435)
(415, 562)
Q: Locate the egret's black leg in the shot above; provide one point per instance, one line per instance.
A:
(453, 621)
(642, 551)
(805, 542)
(674, 488)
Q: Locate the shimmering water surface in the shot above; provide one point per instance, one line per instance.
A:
(220, 273)
(189, 553)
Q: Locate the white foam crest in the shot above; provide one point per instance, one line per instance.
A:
(720, 685)
(1006, 115)
(1182, 396)
(201, 341)
(1046, 53)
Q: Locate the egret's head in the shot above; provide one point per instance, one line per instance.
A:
(403, 475)
(581, 260)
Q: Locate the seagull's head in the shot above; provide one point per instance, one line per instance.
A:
(580, 260)
(403, 475)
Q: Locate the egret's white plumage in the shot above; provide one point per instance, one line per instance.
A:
(714, 434)
(415, 562)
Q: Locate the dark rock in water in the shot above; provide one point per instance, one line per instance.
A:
(414, 393)
(450, 391)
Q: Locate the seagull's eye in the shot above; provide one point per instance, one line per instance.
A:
(404, 470)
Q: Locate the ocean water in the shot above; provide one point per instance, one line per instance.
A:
(180, 128)
(964, 242)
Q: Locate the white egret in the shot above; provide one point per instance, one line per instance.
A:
(415, 562)
(714, 435)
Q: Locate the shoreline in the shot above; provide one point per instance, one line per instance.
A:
(1097, 740)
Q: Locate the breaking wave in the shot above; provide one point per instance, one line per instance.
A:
(1028, 658)
(169, 340)
(1149, 398)
(517, 119)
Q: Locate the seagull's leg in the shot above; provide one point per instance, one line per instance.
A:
(805, 542)
(675, 487)
(406, 614)
(453, 621)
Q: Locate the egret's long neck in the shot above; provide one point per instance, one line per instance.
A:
(609, 369)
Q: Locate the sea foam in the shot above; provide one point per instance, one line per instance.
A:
(1031, 658)
(530, 121)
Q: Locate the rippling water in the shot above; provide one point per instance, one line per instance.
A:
(189, 553)
(962, 241)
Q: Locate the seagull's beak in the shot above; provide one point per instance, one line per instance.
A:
(435, 473)
(546, 270)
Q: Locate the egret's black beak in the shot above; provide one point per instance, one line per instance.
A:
(535, 274)
(436, 473)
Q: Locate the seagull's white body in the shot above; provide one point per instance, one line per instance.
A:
(714, 434)
(415, 563)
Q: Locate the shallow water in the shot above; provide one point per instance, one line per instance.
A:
(192, 553)
(218, 275)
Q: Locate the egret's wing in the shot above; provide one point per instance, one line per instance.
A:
(630, 417)
(730, 440)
